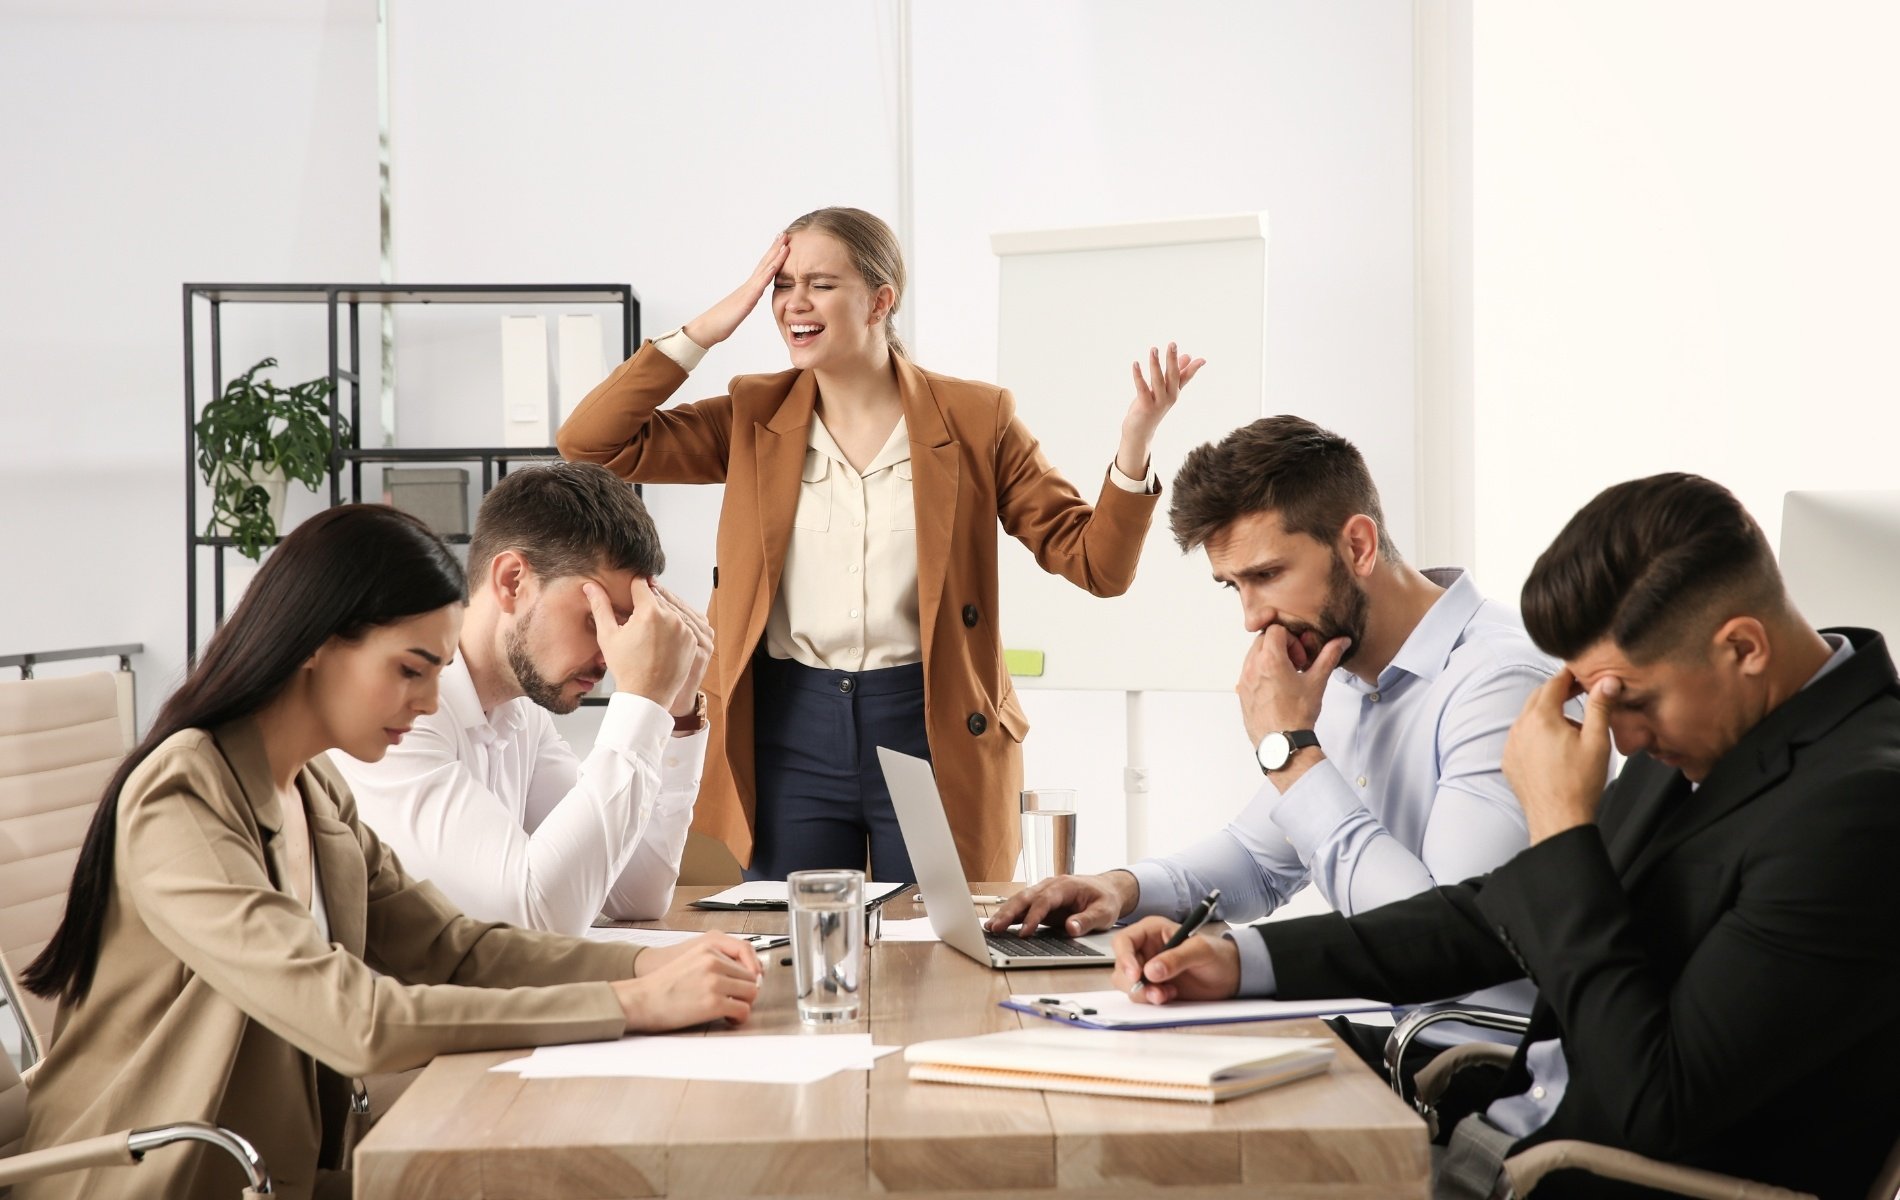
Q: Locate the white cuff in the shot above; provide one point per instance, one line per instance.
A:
(1141, 487)
(682, 761)
(680, 348)
(635, 726)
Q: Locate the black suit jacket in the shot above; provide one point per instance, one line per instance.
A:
(1723, 964)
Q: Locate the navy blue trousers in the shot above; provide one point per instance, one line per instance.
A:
(822, 801)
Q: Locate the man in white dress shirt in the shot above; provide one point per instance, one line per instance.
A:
(483, 797)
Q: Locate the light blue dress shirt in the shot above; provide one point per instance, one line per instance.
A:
(1409, 795)
(1531, 1109)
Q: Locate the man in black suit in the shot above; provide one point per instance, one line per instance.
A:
(1715, 936)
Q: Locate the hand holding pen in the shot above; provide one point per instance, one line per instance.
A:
(1196, 918)
(1174, 964)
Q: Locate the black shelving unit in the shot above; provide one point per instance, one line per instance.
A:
(342, 304)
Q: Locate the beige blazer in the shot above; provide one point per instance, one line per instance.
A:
(216, 1000)
(973, 463)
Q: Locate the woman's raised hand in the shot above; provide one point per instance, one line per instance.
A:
(716, 324)
(1154, 396)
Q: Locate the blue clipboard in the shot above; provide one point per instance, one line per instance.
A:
(1115, 1011)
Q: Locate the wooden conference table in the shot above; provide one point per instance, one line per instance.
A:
(461, 1132)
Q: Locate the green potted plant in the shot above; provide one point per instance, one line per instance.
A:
(254, 438)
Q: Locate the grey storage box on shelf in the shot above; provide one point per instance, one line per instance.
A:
(439, 495)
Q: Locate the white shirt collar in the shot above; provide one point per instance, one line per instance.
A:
(458, 696)
(896, 448)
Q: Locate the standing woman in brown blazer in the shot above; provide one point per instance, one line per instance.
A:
(236, 942)
(854, 601)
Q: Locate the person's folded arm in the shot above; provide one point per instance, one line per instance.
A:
(1473, 823)
(549, 869)
(1427, 947)
(644, 891)
(195, 875)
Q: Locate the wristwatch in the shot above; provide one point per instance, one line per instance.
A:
(1277, 748)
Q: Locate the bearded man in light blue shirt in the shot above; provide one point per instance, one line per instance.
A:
(1376, 697)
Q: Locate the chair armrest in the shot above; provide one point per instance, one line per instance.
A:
(1420, 1019)
(1528, 1167)
(1432, 1078)
(126, 1149)
(106, 1150)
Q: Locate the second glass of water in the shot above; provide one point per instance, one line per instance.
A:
(827, 911)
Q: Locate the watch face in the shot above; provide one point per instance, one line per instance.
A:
(1273, 752)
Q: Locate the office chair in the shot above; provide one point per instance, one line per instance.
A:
(60, 741)
(126, 1148)
(706, 860)
(1527, 1168)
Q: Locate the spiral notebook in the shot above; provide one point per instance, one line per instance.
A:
(1154, 1066)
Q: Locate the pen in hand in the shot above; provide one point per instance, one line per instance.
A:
(1195, 919)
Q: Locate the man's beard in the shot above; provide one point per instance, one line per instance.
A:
(533, 684)
(1342, 615)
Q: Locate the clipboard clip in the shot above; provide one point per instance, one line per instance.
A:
(1049, 1006)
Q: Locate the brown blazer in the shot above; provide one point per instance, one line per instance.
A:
(216, 1000)
(972, 462)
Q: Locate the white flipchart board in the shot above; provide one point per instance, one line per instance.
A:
(1077, 306)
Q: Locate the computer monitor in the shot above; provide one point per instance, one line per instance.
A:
(1840, 555)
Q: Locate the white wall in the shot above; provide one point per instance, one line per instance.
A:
(1685, 254)
(143, 147)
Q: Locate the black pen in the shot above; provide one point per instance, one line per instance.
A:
(1195, 919)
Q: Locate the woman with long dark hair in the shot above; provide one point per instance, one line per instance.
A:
(854, 603)
(235, 942)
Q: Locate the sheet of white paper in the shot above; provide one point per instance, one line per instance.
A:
(640, 937)
(765, 1059)
(772, 891)
(915, 930)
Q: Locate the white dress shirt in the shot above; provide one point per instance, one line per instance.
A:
(498, 812)
(847, 598)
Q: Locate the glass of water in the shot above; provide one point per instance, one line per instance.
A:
(827, 911)
(1048, 833)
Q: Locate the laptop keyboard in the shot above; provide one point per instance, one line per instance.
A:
(1044, 946)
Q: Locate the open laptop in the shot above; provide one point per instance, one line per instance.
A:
(933, 857)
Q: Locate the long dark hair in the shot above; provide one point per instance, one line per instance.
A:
(339, 574)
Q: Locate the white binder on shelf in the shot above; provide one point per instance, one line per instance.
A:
(580, 354)
(524, 382)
